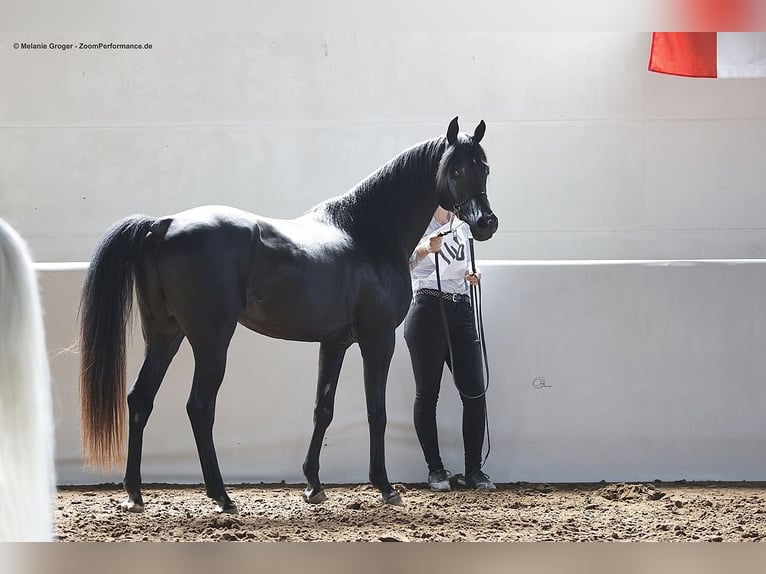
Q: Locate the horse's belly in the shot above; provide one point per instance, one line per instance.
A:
(295, 320)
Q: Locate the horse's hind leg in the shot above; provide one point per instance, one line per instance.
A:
(209, 369)
(204, 293)
(330, 361)
(376, 358)
(160, 350)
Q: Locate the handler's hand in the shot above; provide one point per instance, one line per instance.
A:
(473, 278)
(434, 244)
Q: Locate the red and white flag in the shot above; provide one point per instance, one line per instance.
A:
(709, 54)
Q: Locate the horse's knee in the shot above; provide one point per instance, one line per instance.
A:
(200, 411)
(196, 406)
(377, 419)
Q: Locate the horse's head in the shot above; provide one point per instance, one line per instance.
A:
(461, 181)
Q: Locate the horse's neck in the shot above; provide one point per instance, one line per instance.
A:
(391, 208)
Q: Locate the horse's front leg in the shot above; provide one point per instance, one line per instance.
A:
(330, 361)
(376, 357)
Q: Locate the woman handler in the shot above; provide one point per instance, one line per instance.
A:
(429, 350)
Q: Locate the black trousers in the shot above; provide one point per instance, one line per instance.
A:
(427, 342)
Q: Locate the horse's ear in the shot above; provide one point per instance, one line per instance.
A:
(479, 131)
(452, 131)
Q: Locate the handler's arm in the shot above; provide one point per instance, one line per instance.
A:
(429, 245)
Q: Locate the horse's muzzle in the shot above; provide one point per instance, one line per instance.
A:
(485, 227)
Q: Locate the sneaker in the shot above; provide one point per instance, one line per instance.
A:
(438, 480)
(477, 480)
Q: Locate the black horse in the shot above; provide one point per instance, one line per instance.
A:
(337, 275)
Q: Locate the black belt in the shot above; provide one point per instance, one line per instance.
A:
(454, 297)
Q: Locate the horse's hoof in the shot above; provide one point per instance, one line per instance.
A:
(226, 507)
(132, 506)
(393, 498)
(229, 509)
(316, 498)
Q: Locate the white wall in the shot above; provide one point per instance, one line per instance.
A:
(652, 370)
(592, 156)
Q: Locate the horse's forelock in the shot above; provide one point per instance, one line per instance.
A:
(465, 146)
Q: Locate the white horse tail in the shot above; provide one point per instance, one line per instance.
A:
(26, 415)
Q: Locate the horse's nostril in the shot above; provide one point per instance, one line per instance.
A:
(487, 221)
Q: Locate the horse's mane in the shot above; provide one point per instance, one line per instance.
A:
(26, 427)
(374, 200)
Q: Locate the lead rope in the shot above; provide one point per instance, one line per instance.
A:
(479, 323)
(479, 320)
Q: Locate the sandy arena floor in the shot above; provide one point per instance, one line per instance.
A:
(515, 512)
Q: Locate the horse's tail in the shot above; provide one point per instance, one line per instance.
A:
(26, 414)
(105, 311)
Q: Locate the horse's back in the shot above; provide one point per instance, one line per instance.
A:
(213, 238)
(277, 277)
(205, 227)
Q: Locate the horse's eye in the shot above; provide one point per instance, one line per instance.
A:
(455, 173)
